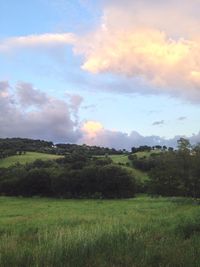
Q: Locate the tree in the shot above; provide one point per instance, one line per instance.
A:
(184, 145)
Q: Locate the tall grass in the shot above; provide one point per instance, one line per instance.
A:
(140, 232)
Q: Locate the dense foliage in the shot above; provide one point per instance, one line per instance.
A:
(172, 173)
(74, 176)
(13, 146)
(80, 174)
(149, 148)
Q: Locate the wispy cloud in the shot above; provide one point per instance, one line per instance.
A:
(182, 118)
(89, 107)
(158, 122)
(36, 40)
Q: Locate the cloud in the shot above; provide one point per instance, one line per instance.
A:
(30, 96)
(162, 15)
(182, 118)
(51, 120)
(155, 42)
(93, 133)
(151, 55)
(158, 122)
(89, 107)
(75, 101)
(40, 116)
(138, 40)
(195, 138)
(4, 89)
(92, 129)
(37, 40)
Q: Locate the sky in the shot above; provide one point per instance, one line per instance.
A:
(110, 73)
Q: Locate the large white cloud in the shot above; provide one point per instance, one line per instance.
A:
(158, 42)
(155, 41)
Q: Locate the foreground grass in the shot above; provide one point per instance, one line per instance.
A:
(141, 232)
(26, 158)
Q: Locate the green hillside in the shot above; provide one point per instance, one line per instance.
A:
(26, 158)
(142, 154)
(123, 159)
(120, 159)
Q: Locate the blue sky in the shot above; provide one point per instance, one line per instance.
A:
(116, 69)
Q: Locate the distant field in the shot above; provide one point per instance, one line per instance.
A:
(146, 153)
(142, 176)
(27, 158)
(120, 159)
(140, 232)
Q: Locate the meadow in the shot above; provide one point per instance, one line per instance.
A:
(25, 158)
(138, 232)
(123, 159)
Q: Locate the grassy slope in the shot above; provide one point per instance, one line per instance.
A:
(27, 158)
(146, 153)
(142, 176)
(141, 232)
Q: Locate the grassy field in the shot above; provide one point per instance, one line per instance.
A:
(141, 176)
(147, 153)
(120, 159)
(140, 232)
(27, 158)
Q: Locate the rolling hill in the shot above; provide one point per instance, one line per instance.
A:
(26, 158)
(123, 159)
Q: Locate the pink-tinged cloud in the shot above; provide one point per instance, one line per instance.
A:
(171, 66)
(91, 129)
(51, 119)
(155, 41)
(93, 133)
(37, 40)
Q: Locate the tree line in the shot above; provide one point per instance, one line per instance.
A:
(174, 172)
(14, 146)
(79, 174)
(75, 176)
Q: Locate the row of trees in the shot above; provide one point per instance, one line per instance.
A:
(75, 177)
(80, 174)
(10, 152)
(11, 146)
(146, 148)
(177, 173)
(173, 173)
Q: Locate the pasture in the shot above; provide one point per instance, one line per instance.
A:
(140, 232)
(123, 159)
(142, 154)
(25, 158)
